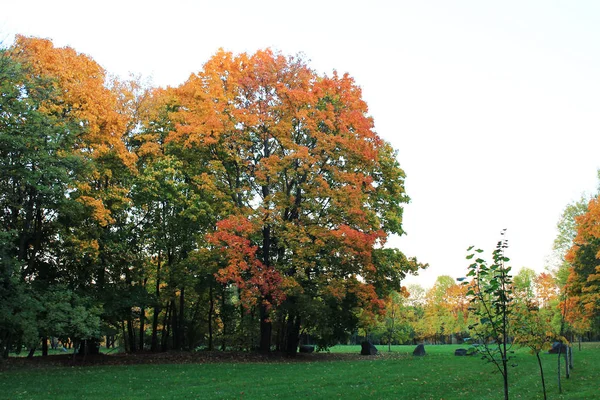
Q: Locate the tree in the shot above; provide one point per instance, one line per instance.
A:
(491, 300)
(583, 258)
(533, 329)
(313, 190)
(35, 175)
(532, 314)
(566, 233)
(394, 326)
(523, 284)
(91, 254)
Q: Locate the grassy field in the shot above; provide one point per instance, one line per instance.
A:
(396, 375)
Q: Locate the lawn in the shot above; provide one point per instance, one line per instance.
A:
(396, 375)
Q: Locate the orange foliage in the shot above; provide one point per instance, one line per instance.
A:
(546, 288)
(82, 95)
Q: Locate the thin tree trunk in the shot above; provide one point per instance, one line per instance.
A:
(74, 352)
(505, 376)
(280, 342)
(211, 309)
(142, 327)
(293, 334)
(567, 370)
(224, 319)
(85, 350)
(265, 330)
(265, 323)
(174, 324)
(541, 373)
(45, 346)
(166, 328)
(181, 332)
(558, 371)
(131, 334)
(571, 353)
(125, 338)
(154, 342)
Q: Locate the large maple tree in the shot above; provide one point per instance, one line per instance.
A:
(313, 191)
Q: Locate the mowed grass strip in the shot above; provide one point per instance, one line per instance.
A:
(439, 375)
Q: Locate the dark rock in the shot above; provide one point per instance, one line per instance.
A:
(368, 349)
(304, 348)
(419, 350)
(460, 352)
(556, 346)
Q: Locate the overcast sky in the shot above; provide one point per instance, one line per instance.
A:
(494, 107)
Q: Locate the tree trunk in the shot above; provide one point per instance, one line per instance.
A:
(166, 328)
(265, 330)
(142, 328)
(125, 337)
(181, 330)
(131, 334)
(154, 343)
(558, 372)
(31, 352)
(211, 308)
(293, 334)
(224, 318)
(541, 373)
(45, 346)
(505, 376)
(175, 324)
(280, 342)
(570, 358)
(265, 323)
(567, 370)
(74, 352)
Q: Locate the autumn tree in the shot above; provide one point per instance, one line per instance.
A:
(583, 257)
(35, 174)
(533, 329)
(314, 191)
(92, 254)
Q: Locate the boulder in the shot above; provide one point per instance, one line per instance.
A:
(304, 348)
(419, 350)
(460, 352)
(368, 349)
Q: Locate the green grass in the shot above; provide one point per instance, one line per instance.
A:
(439, 375)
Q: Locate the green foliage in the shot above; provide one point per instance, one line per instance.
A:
(491, 300)
(35, 177)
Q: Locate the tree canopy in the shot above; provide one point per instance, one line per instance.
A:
(249, 205)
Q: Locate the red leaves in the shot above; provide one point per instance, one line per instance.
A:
(254, 279)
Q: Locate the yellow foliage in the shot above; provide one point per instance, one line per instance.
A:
(99, 212)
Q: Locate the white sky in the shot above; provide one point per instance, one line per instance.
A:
(493, 106)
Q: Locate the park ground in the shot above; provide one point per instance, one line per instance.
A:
(341, 373)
